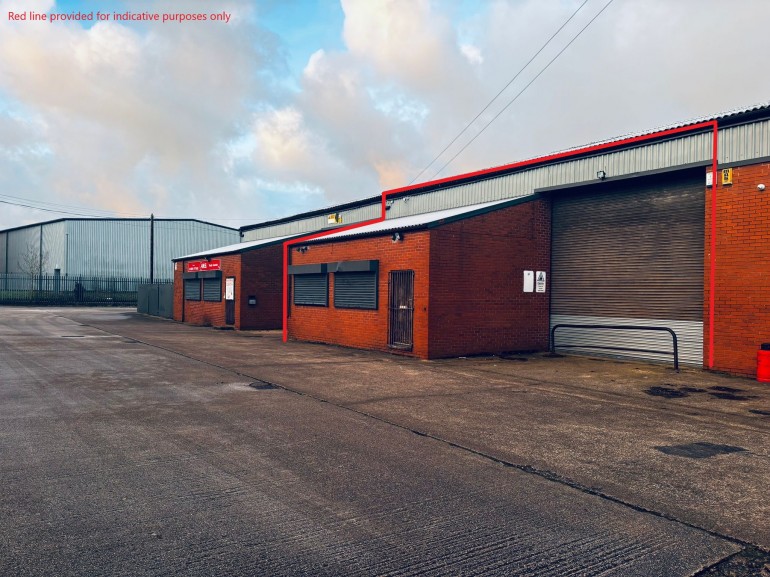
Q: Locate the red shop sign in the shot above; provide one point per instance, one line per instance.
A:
(200, 265)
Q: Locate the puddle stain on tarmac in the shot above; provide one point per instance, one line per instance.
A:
(668, 391)
(700, 450)
(262, 386)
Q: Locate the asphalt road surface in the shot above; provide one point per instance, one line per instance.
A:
(118, 457)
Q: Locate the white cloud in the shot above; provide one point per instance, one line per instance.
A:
(197, 120)
(472, 53)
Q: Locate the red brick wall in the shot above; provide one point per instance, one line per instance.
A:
(742, 303)
(365, 328)
(468, 286)
(261, 276)
(202, 312)
(257, 272)
(477, 266)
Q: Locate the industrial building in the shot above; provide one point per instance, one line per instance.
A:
(431, 285)
(107, 247)
(637, 233)
(237, 286)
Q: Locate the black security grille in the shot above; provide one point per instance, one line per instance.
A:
(400, 309)
(311, 289)
(355, 290)
(212, 289)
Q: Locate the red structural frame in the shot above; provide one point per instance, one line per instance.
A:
(712, 124)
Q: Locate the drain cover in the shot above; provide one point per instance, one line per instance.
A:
(262, 386)
(699, 450)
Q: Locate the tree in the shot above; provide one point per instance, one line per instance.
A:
(33, 261)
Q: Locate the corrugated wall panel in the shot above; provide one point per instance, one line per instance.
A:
(659, 156)
(3, 245)
(315, 223)
(744, 142)
(689, 335)
(54, 236)
(121, 248)
(20, 242)
(111, 248)
(738, 143)
(177, 238)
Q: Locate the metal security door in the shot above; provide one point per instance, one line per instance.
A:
(230, 300)
(631, 253)
(400, 309)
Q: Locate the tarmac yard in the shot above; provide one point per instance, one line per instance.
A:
(131, 445)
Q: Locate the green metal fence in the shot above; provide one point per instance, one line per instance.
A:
(59, 290)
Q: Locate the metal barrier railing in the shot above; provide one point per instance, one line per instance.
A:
(675, 353)
(59, 290)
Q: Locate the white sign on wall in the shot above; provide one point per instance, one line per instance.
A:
(529, 281)
(540, 282)
(229, 289)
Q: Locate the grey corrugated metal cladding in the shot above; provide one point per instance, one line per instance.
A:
(741, 142)
(110, 247)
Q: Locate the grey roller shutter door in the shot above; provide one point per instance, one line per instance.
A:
(212, 289)
(631, 252)
(311, 289)
(192, 289)
(355, 290)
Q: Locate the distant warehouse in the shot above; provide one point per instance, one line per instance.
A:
(107, 247)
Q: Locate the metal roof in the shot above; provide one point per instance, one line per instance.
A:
(319, 211)
(423, 220)
(692, 121)
(496, 171)
(236, 248)
(589, 148)
(113, 219)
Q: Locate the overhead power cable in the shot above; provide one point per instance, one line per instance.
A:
(59, 208)
(496, 96)
(583, 29)
(57, 211)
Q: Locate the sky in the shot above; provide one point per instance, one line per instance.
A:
(299, 105)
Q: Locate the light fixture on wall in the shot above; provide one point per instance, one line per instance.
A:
(761, 187)
(302, 249)
(397, 236)
(601, 175)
